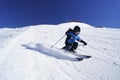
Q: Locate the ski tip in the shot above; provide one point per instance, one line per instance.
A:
(80, 59)
(88, 56)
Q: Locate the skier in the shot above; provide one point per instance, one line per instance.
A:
(71, 43)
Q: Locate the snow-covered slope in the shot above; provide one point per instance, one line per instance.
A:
(26, 54)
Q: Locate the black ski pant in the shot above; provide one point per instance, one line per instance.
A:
(72, 46)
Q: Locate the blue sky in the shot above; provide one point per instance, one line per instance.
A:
(20, 13)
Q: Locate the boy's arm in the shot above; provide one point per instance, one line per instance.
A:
(67, 32)
(83, 42)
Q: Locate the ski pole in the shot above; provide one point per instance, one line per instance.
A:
(58, 41)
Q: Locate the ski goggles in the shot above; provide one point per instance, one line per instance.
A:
(77, 32)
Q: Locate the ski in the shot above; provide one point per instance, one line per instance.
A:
(79, 57)
(82, 58)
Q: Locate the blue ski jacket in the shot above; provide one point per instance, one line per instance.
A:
(72, 36)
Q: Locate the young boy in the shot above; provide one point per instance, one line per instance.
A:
(71, 43)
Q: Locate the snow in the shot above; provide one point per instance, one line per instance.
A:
(26, 53)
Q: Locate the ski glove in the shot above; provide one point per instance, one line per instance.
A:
(83, 42)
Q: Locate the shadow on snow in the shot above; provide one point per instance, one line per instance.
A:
(50, 52)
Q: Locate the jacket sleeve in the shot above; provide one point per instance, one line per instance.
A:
(83, 42)
(67, 33)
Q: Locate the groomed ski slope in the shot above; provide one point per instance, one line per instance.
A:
(26, 53)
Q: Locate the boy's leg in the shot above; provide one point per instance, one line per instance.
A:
(68, 46)
(75, 45)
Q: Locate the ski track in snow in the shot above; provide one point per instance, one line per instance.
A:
(26, 54)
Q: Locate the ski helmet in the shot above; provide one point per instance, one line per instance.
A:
(76, 29)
